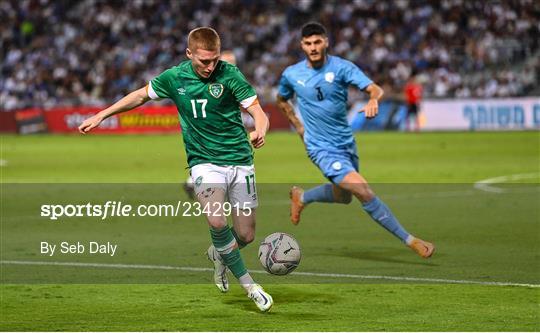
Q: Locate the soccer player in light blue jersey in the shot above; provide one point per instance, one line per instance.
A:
(320, 83)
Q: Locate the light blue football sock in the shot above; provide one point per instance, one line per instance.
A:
(381, 214)
(322, 193)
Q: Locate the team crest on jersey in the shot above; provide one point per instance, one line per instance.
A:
(336, 166)
(216, 90)
(329, 77)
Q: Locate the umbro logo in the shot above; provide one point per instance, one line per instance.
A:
(181, 91)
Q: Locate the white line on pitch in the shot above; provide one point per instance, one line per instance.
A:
(202, 269)
(487, 184)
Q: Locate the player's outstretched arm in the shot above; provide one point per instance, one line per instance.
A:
(287, 109)
(261, 125)
(372, 107)
(128, 102)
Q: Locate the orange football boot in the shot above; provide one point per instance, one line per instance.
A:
(423, 248)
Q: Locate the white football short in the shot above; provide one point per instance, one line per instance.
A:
(238, 182)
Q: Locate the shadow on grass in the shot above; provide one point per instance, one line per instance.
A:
(389, 256)
(285, 296)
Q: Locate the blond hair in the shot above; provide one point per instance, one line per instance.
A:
(204, 38)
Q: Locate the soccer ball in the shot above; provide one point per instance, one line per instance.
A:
(279, 253)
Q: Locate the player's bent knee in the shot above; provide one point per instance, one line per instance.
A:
(216, 222)
(363, 193)
(247, 237)
(365, 196)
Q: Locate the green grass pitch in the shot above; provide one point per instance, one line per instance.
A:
(354, 276)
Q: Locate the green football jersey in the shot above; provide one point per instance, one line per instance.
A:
(209, 111)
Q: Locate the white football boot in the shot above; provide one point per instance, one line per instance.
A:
(262, 299)
(220, 270)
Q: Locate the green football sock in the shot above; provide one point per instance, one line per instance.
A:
(227, 247)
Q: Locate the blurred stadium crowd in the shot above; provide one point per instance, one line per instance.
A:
(90, 52)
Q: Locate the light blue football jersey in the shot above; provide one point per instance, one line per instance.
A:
(322, 100)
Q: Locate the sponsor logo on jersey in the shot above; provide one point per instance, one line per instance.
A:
(329, 77)
(181, 91)
(216, 90)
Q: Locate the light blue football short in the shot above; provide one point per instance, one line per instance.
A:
(335, 163)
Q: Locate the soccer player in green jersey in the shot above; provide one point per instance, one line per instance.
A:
(208, 93)
(189, 186)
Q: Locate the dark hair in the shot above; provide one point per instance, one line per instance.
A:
(313, 28)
